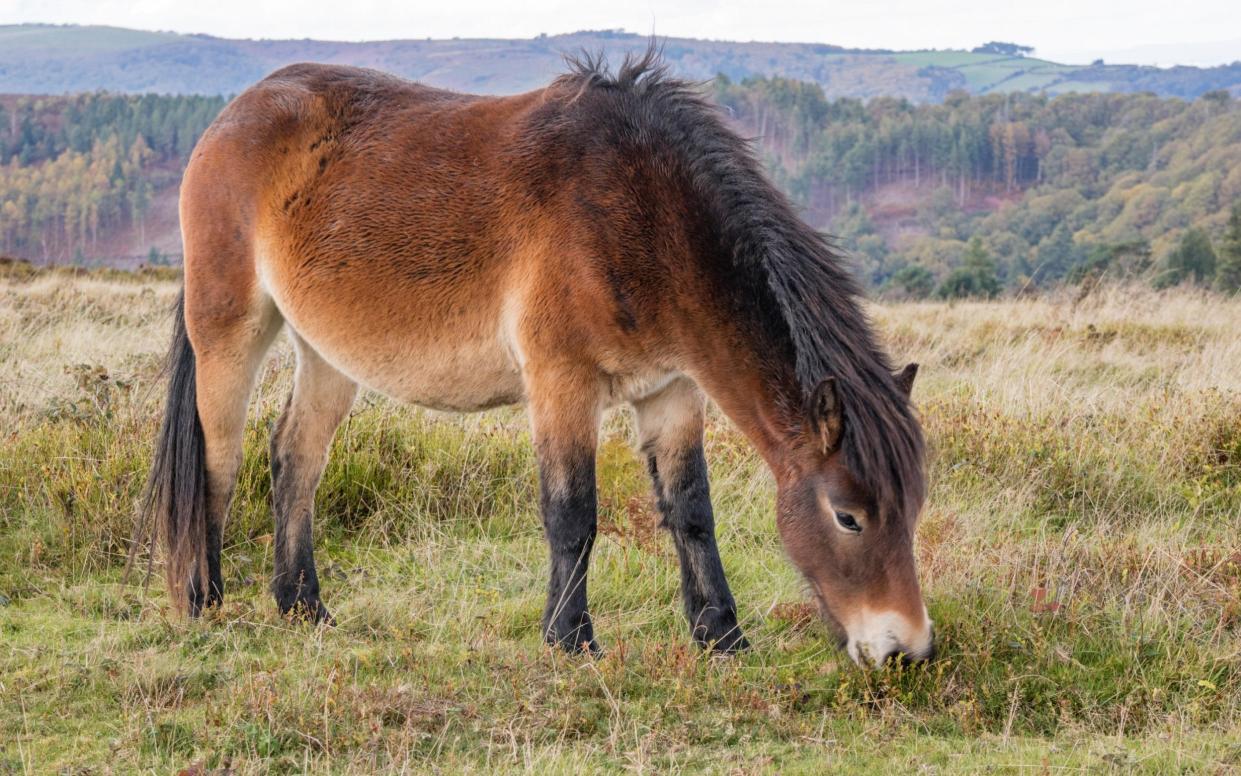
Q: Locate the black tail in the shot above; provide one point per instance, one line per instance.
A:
(176, 492)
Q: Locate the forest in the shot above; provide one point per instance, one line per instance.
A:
(970, 196)
(73, 169)
(1023, 190)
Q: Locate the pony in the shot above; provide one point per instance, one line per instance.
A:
(606, 240)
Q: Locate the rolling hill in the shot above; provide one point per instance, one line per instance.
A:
(51, 59)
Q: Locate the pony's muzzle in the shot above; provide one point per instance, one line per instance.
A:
(889, 636)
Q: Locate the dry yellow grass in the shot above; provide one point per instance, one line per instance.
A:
(1080, 552)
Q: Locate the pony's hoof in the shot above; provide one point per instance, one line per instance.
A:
(579, 640)
(584, 647)
(717, 631)
(308, 611)
(730, 643)
(197, 607)
(591, 648)
(198, 601)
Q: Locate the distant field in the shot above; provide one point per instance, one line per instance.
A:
(986, 73)
(1079, 550)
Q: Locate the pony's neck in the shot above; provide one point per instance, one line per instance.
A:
(758, 394)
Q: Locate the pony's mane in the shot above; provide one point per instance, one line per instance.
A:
(816, 298)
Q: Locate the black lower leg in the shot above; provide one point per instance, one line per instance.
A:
(568, 504)
(211, 594)
(295, 584)
(684, 499)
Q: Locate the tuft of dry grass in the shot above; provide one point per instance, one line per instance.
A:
(1079, 550)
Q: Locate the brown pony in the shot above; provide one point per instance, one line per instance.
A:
(605, 240)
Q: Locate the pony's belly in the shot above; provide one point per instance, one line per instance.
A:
(461, 382)
(459, 377)
(417, 349)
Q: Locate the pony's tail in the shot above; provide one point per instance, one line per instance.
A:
(176, 492)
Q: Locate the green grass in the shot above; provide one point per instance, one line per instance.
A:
(989, 72)
(1079, 553)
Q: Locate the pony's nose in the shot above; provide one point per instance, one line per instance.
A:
(916, 646)
(908, 658)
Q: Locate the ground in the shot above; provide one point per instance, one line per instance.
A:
(1079, 552)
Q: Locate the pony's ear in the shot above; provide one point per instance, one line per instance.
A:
(905, 378)
(826, 415)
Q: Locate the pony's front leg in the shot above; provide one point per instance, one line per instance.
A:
(670, 429)
(564, 410)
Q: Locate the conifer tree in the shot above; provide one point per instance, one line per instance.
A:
(1228, 267)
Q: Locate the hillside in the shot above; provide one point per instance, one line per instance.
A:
(1052, 187)
(46, 59)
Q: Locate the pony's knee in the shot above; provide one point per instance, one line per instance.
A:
(568, 495)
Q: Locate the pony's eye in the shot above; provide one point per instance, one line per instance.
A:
(848, 522)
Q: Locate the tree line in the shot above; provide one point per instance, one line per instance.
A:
(75, 168)
(1054, 188)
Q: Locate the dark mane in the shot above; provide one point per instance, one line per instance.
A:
(816, 300)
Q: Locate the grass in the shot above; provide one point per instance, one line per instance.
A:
(1079, 552)
(988, 72)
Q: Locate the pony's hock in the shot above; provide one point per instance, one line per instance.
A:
(587, 245)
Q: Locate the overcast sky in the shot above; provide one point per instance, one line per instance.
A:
(1147, 31)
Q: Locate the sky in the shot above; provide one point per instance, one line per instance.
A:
(1198, 32)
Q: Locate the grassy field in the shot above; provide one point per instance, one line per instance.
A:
(986, 73)
(1080, 553)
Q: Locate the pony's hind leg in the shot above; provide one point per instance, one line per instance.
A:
(228, 359)
(670, 428)
(320, 400)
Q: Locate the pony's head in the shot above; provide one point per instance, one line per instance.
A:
(854, 545)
